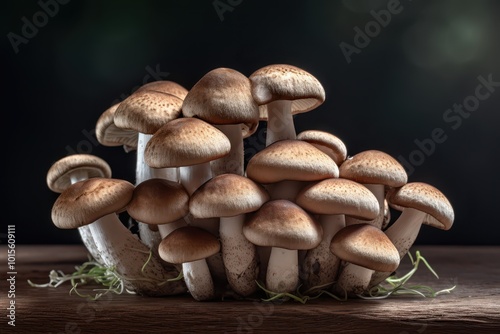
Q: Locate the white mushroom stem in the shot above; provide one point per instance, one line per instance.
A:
(84, 231)
(239, 256)
(379, 191)
(131, 259)
(279, 122)
(403, 233)
(320, 265)
(282, 270)
(234, 161)
(198, 280)
(166, 229)
(353, 279)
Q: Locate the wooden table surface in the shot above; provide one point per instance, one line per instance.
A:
(473, 307)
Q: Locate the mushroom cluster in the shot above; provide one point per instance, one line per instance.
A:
(299, 212)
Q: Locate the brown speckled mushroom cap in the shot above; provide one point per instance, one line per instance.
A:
(188, 244)
(367, 246)
(108, 134)
(290, 160)
(426, 198)
(147, 111)
(339, 196)
(374, 167)
(223, 96)
(327, 143)
(59, 174)
(158, 201)
(286, 82)
(84, 202)
(281, 223)
(227, 195)
(185, 142)
(165, 86)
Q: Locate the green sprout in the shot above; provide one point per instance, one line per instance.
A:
(393, 285)
(91, 272)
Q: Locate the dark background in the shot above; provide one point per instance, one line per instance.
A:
(395, 90)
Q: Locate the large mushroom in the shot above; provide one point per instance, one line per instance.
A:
(230, 197)
(333, 200)
(281, 91)
(421, 204)
(223, 98)
(286, 228)
(376, 170)
(364, 248)
(95, 202)
(74, 168)
(191, 246)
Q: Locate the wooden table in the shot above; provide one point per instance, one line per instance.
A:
(473, 307)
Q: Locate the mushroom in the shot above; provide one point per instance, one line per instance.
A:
(420, 203)
(327, 143)
(333, 199)
(164, 86)
(365, 248)
(108, 134)
(281, 91)
(287, 228)
(223, 98)
(74, 168)
(230, 197)
(160, 202)
(190, 246)
(377, 171)
(95, 202)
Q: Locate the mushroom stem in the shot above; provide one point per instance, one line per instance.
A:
(353, 279)
(279, 122)
(121, 250)
(192, 177)
(239, 256)
(166, 229)
(198, 280)
(379, 191)
(320, 265)
(287, 189)
(403, 233)
(282, 270)
(232, 162)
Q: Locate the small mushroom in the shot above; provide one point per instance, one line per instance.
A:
(281, 91)
(190, 246)
(287, 228)
(333, 199)
(327, 143)
(230, 197)
(364, 248)
(95, 202)
(223, 98)
(421, 204)
(108, 134)
(74, 168)
(377, 171)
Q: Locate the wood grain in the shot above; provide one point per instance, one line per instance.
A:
(473, 307)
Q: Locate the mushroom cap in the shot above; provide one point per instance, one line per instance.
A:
(146, 111)
(223, 96)
(59, 174)
(281, 223)
(327, 143)
(85, 201)
(367, 246)
(108, 134)
(158, 201)
(286, 82)
(339, 196)
(185, 142)
(165, 86)
(290, 160)
(374, 167)
(188, 244)
(227, 195)
(426, 198)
